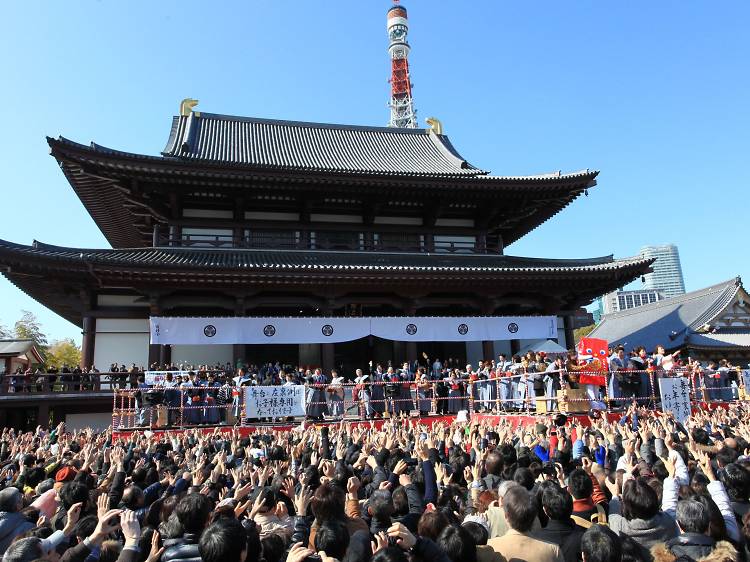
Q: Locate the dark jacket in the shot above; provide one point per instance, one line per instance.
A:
(77, 553)
(183, 549)
(691, 546)
(723, 551)
(566, 534)
(12, 524)
(425, 549)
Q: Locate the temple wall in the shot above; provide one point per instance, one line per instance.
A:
(202, 354)
(123, 340)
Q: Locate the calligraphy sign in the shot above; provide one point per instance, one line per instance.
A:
(274, 401)
(675, 397)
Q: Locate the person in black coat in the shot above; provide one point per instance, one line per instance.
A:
(561, 529)
(192, 512)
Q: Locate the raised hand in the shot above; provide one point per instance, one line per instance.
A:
(402, 535)
(298, 553)
(380, 542)
(302, 501)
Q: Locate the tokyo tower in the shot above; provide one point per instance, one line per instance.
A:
(403, 114)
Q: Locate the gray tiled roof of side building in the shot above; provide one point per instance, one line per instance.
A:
(15, 347)
(668, 322)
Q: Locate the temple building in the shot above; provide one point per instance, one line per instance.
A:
(255, 217)
(709, 324)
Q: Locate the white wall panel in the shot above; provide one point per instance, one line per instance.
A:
(119, 325)
(120, 348)
(121, 340)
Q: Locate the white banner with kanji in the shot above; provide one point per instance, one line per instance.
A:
(675, 397)
(274, 401)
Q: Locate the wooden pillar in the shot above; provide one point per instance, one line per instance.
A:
(239, 350)
(488, 350)
(327, 357)
(429, 242)
(165, 354)
(399, 353)
(88, 341)
(569, 337)
(481, 244)
(156, 236)
(42, 414)
(515, 347)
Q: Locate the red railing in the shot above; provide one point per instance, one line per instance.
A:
(354, 401)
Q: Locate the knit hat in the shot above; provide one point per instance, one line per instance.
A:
(65, 474)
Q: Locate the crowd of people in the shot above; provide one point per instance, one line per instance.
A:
(211, 394)
(205, 394)
(641, 488)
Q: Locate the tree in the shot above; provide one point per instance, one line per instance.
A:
(5, 333)
(579, 333)
(63, 352)
(28, 328)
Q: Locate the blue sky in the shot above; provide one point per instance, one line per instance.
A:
(653, 94)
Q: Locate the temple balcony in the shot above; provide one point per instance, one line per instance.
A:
(335, 240)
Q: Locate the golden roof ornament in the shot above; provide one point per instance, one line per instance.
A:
(435, 125)
(187, 105)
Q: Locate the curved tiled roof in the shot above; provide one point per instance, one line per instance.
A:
(670, 322)
(314, 146)
(228, 258)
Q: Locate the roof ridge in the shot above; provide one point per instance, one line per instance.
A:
(310, 124)
(671, 301)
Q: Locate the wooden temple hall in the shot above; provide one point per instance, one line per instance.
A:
(256, 217)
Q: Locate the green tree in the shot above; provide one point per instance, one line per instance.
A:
(5, 333)
(63, 352)
(582, 332)
(28, 328)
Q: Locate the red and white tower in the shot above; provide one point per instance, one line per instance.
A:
(403, 114)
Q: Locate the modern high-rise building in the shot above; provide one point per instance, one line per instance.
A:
(667, 271)
(625, 300)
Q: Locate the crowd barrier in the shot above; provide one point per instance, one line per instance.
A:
(67, 383)
(185, 407)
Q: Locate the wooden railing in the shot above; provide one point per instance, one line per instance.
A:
(329, 240)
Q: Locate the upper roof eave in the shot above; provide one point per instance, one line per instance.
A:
(228, 258)
(61, 147)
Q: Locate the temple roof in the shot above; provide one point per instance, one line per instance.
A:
(299, 260)
(58, 276)
(674, 322)
(314, 146)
